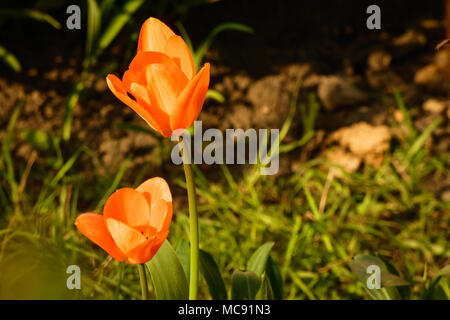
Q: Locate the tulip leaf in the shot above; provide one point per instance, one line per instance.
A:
(265, 292)
(208, 268)
(182, 251)
(439, 286)
(93, 28)
(388, 281)
(70, 104)
(244, 285)
(215, 95)
(32, 14)
(204, 46)
(258, 260)
(167, 274)
(211, 273)
(10, 59)
(118, 22)
(276, 281)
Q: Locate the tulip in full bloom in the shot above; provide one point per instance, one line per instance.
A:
(160, 84)
(134, 224)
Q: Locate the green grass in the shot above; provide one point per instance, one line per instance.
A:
(318, 219)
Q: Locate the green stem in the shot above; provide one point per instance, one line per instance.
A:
(143, 278)
(193, 223)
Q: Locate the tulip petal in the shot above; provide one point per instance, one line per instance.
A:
(165, 83)
(128, 206)
(190, 101)
(154, 35)
(145, 58)
(93, 226)
(116, 86)
(126, 237)
(178, 50)
(146, 250)
(157, 193)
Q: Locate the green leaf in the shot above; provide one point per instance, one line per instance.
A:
(420, 141)
(208, 268)
(37, 138)
(67, 166)
(70, 104)
(182, 251)
(117, 23)
(276, 281)
(439, 286)
(204, 46)
(215, 95)
(93, 28)
(406, 115)
(265, 292)
(167, 274)
(114, 184)
(32, 14)
(244, 285)
(359, 266)
(211, 273)
(10, 59)
(258, 260)
(445, 271)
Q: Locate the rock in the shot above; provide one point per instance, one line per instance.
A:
(270, 97)
(349, 162)
(384, 79)
(312, 81)
(440, 59)
(408, 42)
(429, 76)
(363, 138)
(360, 143)
(240, 116)
(379, 60)
(335, 92)
(433, 76)
(398, 115)
(445, 196)
(435, 106)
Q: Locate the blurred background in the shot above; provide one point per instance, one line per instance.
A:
(364, 163)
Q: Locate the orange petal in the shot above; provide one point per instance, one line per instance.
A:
(157, 193)
(93, 226)
(165, 83)
(178, 50)
(116, 86)
(154, 35)
(146, 250)
(128, 206)
(145, 58)
(126, 237)
(190, 101)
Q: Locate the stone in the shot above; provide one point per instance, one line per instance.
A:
(435, 106)
(379, 60)
(363, 138)
(335, 92)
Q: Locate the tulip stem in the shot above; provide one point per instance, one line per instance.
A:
(143, 278)
(193, 224)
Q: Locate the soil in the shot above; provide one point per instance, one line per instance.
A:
(353, 71)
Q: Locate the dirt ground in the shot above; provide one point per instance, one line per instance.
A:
(352, 70)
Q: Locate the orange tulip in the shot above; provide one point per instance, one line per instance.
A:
(160, 84)
(134, 224)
